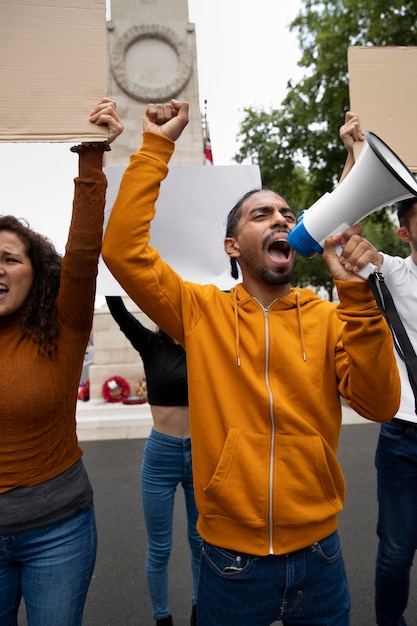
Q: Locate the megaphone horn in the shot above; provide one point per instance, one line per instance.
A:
(377, 179)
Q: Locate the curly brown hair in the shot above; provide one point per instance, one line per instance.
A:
(38, 318)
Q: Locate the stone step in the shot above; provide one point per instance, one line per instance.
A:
(98, 419)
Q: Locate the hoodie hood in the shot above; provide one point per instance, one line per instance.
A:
(296, 299)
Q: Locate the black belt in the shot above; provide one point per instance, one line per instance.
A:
(405, 423)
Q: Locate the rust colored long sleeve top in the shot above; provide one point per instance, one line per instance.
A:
(38, 395)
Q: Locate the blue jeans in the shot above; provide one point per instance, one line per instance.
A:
(51, 568)
(306, 587)
(396, 463)
(166, 463)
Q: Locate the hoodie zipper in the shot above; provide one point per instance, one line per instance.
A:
(271, 417)
(270, 394)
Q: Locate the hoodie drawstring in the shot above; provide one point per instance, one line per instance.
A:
(237, 335)
(300, 326)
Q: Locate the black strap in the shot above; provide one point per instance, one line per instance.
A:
(402, 342)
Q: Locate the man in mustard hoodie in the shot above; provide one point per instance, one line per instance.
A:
(267, 365)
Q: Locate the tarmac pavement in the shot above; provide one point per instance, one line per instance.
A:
(113, 438)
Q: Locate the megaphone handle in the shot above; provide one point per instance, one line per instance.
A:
(366, 271)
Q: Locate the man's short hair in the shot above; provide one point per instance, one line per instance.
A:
(404, 208)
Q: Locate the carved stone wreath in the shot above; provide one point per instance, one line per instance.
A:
(146, 93)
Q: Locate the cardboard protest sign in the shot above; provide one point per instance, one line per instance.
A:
(53, 69)
(382, 85)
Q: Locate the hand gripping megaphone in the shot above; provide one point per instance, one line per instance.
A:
(378, 178)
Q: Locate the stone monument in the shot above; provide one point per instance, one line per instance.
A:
(152, 58)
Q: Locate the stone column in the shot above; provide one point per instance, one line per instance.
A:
(152, 58)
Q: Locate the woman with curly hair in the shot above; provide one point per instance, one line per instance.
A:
(47, 522)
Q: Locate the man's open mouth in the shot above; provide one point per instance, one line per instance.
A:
(279, 248)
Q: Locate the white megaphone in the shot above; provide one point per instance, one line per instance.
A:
(378, 178)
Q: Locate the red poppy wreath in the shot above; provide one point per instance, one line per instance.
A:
(115, 389)
(84, 390)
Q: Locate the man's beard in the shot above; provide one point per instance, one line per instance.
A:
(268, 276)
(274, 278)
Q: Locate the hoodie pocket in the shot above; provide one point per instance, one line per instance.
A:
(239, 486)
(308, 482)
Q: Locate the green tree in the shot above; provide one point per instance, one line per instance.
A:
(297, 146)
(304, 130)
(383, 235)
(314, 109)
(313, 273)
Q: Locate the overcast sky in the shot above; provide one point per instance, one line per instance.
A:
(245, 54)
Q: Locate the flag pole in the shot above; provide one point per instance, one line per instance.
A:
(208, 155)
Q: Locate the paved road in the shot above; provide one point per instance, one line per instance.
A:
(118, 594)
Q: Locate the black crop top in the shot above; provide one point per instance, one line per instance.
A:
(164, 362)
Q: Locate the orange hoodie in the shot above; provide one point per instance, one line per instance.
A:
(264, 383)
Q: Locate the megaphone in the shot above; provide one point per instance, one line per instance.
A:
(377, 179)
